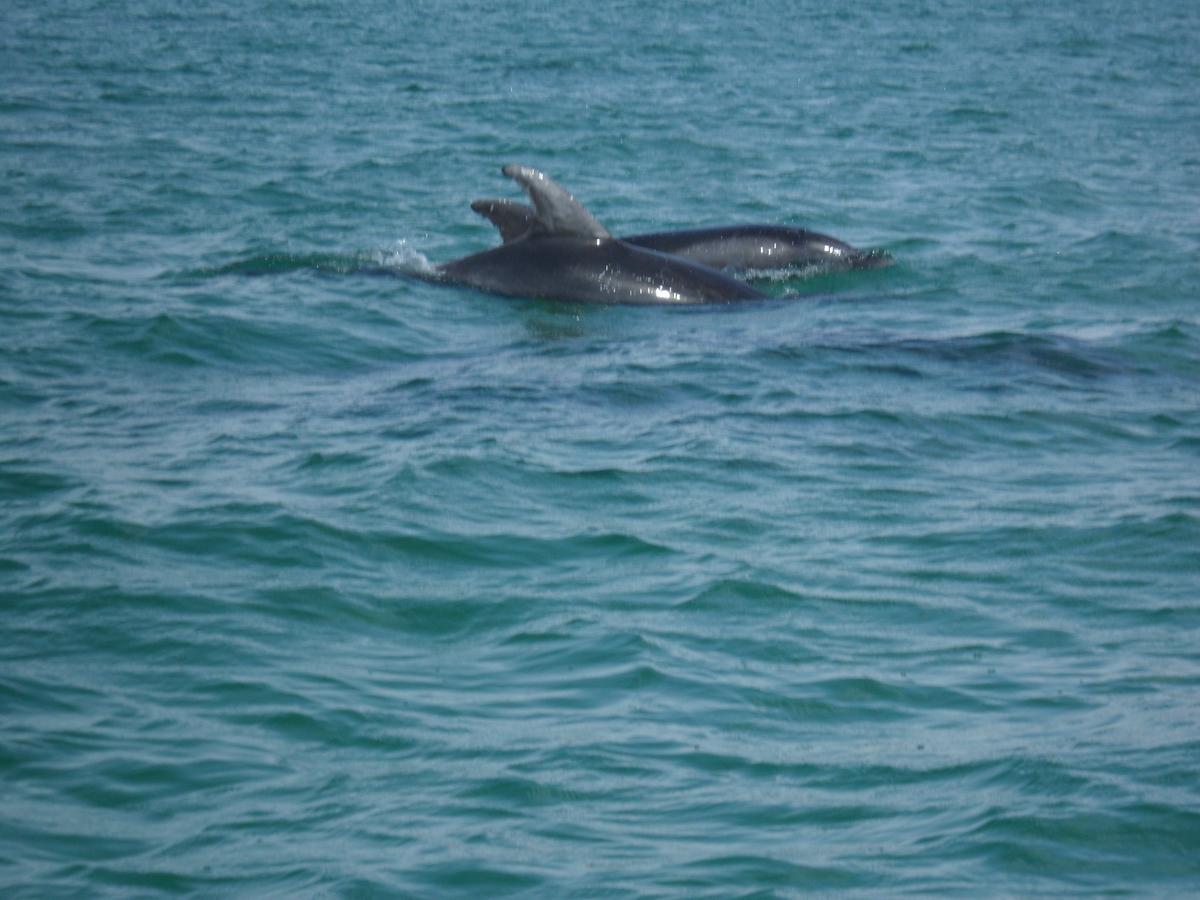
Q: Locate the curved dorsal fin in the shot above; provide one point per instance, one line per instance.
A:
(557, 211)
(513, 218)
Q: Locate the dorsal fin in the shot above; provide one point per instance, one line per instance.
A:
(513, 218)
(557, 211)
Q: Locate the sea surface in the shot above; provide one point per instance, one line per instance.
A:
(320, 579)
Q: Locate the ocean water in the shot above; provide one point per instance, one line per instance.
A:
(320, 579)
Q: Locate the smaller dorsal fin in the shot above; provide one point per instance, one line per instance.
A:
(513, 218)
(557, 211)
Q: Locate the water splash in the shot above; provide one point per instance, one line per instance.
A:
(398, 258)
(402, 258)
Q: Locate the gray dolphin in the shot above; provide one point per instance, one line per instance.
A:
(736, 248)
(561, 252)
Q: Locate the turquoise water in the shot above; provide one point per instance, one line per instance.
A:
(321, 579)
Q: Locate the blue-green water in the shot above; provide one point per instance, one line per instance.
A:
(322, 580)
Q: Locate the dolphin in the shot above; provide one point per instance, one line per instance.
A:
(735, 248)
(753, 248)
(559, 251)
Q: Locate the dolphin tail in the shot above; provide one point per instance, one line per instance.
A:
(557, 211)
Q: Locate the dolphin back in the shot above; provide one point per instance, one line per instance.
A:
(749, 248)
(581, 270)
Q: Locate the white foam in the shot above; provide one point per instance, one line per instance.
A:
(403, 258)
